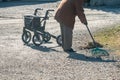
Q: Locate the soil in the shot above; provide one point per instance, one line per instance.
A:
(49, 61)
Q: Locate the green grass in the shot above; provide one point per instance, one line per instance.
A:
(109, 37)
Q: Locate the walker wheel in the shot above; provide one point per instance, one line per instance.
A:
(26, 37)
(37, 39)
(59, 40)
(46, 37)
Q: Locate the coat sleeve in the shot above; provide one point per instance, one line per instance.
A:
(80, 10)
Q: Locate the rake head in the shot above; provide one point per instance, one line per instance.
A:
(97, 52)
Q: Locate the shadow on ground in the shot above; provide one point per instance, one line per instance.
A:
(72, 55)
(111, 9)
(82, 57)
(43, 48)
(22, 3)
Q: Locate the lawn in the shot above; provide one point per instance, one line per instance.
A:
(109, 38)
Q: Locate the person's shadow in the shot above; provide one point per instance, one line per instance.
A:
(72, 55)
(78, 56)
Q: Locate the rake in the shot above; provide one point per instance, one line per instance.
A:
(96, 51)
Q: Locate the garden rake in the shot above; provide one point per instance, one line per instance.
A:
(96, 51)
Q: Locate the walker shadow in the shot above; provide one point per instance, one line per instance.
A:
(82, 57)
(42, 48)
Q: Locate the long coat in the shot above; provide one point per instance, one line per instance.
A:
(67, 10)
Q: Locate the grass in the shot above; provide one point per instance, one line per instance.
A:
(109, 38)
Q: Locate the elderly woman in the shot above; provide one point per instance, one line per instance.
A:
(65, 15)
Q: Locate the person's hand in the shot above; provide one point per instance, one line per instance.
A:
(85, 23)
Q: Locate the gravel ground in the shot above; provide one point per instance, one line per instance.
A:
(49, 62)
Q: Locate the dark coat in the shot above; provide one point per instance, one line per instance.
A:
(67, 11)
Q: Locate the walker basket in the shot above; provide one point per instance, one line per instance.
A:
(32, 22)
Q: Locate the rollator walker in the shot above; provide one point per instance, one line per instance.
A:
(36, 24)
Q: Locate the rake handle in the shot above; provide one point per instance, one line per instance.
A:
(91, 35)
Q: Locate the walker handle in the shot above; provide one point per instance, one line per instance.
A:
(36, 10)
(47, 12)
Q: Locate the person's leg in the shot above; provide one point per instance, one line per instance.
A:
(66, 33)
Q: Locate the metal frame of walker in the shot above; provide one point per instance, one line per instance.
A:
(36, 24)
